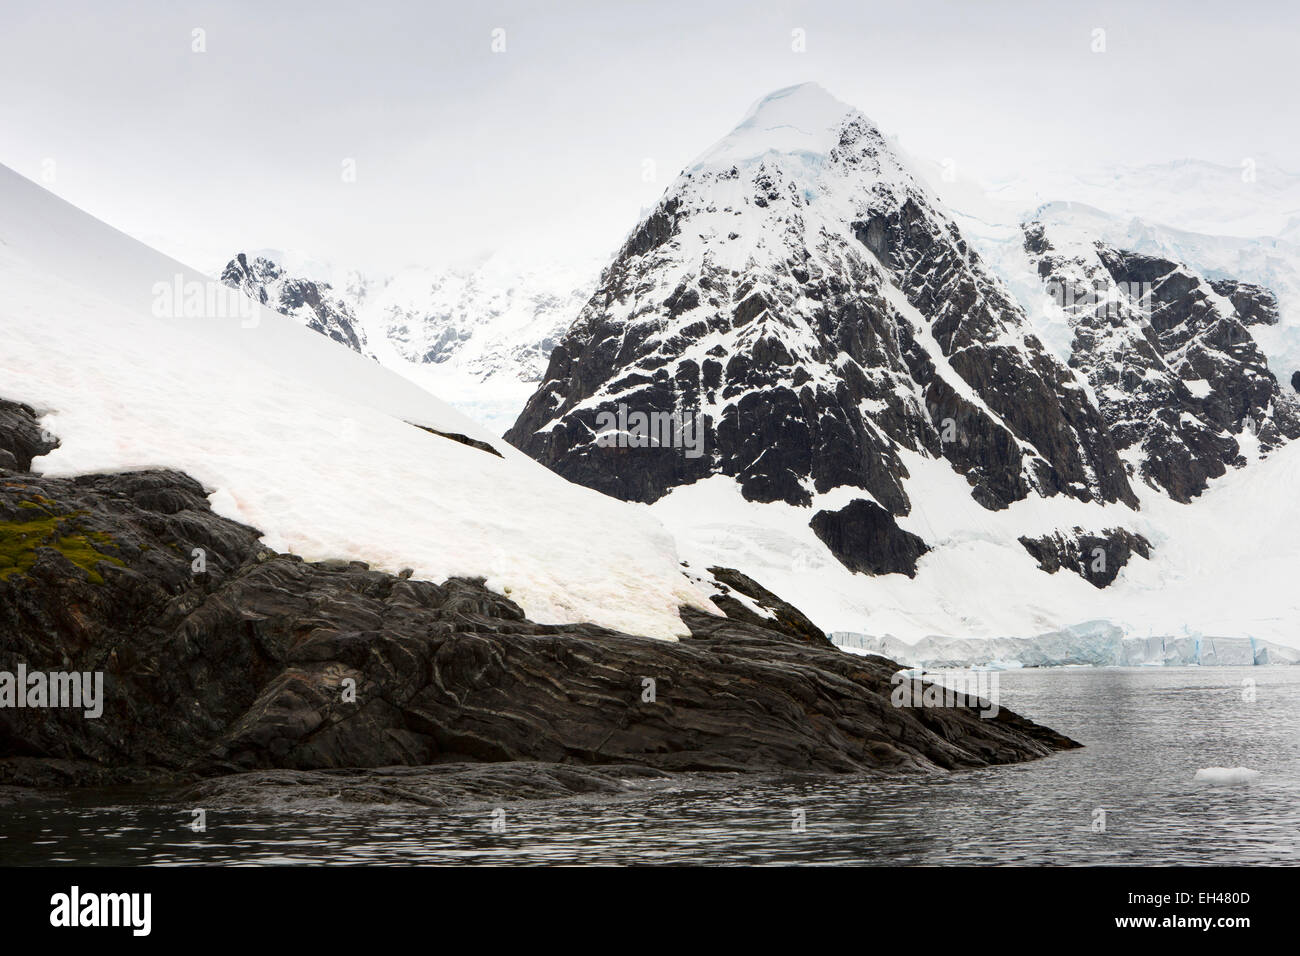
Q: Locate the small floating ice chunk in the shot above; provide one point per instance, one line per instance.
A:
(1226, 776)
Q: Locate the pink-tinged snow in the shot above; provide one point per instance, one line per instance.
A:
(298, 436)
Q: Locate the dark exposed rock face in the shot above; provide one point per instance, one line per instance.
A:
(1295, 380)
(1205, 343)
(21, 438)
(250, 662)
(312, 303)
(865, 537)
(1095, 557)
(1252, 304)
(821, 319)
(1062, 436)
(458, 437)
(786, 617)
(1170, 357)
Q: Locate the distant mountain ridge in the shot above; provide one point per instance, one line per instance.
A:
(311, 302)
(477, 336)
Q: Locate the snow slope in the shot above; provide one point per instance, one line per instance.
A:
(1224, 565)
(297, 435)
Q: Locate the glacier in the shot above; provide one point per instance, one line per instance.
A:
(1092, 643)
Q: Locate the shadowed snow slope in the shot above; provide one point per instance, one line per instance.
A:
(296, 435)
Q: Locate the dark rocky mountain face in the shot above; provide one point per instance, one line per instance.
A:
(1096, 557)
(249, 659)
(820, 314)
(865, 537)
(310, 302)
(1170, 356)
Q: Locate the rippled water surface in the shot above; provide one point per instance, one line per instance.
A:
(1147, 731)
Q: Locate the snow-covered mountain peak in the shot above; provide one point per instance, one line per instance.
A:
(803, 138)
(880, 416)
(299, 263)
(819, 310)
(803, 120)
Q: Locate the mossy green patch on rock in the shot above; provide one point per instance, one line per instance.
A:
(20, 540)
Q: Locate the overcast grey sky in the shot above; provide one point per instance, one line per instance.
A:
(459, 149)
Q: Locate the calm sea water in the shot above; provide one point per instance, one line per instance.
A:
(1147, 731)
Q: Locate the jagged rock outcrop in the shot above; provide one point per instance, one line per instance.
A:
(220, 655)
(1169, 355)
(804, 296)
(777, 615)
(1205, 342)
(313, 303)
(865, 537)
(1252, 304)
(21, 438)
(1097, 557)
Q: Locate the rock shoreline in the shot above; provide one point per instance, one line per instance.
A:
(261, 661)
